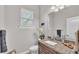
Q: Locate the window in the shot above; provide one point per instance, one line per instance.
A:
(72, 26)
(26, 18)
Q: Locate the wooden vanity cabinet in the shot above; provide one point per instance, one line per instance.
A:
(43, 49)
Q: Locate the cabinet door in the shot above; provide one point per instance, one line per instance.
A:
(43, 49)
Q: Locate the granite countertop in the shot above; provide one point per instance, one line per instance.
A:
(59, 47)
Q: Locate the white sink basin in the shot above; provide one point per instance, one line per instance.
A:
(50, 42)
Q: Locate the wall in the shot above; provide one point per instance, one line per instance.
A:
(44, 11)
(1, 17)
(17, 38)
(51, 24)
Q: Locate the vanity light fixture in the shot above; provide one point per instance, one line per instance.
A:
(56, 8)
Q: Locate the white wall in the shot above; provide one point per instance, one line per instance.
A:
(19, 39)
(1, 17)
(60, 17)
(44, 11)
(51, 24)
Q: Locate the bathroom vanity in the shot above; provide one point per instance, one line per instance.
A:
(53, 47)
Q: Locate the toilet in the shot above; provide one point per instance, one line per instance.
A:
(34, 49)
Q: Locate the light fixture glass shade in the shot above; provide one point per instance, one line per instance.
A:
(56, 8)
